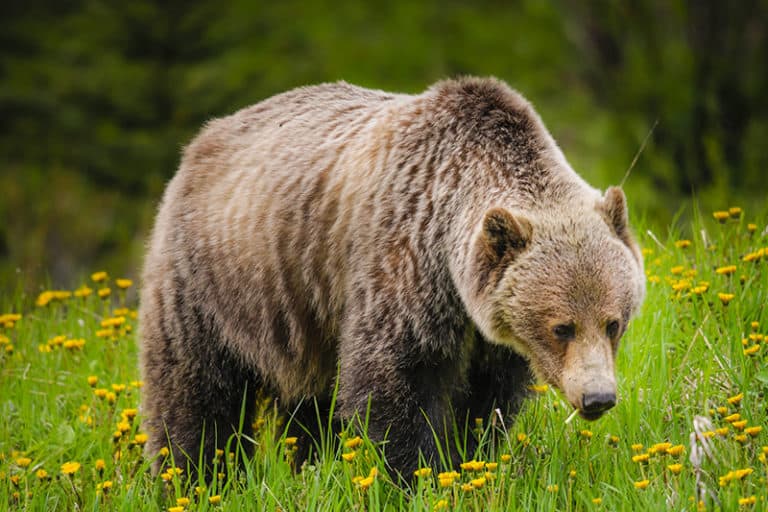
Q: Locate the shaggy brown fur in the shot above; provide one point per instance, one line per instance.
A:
(428, 248)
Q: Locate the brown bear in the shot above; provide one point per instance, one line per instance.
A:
(432, 252)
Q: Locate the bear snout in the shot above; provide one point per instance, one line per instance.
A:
(593, 405)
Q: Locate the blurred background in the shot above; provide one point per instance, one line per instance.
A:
(97, 99)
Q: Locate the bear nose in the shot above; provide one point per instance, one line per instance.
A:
(597, 402)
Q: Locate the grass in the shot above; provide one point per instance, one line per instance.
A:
(694, 358)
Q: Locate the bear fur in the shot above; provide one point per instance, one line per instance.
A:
(434, 252)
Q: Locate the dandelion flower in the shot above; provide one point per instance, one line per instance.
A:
(675, 468)
(522, 438)
(41, 474)
(123, 283)
(539, 388)
(735, 399)
(586, 434)
(182, 501)
(734, 211)
(366, 482)
(642, 484)
(722, 431)
(753, 431)
(214, 500)
(505, 457)
(23, 462)
(553, 488)
(751, 351)
(70, 468)
(491, 466)
(676, 450)
(98, 277)
(726, 270)
(177, 508)
(597, 501)
(721, 216)
(643, 457)
(441, 504)
(478, 483)
(732, 417)
(682, 244)
(676, 270)
(353, 443)
(744, 502)
(637, 447)
(725, 298)
(739, 425)
(473, 465)
(348, 457)
(104, 293)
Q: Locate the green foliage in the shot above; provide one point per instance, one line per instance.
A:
(690, 361)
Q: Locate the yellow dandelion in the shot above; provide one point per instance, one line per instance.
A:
(727, 270)
(572, 473)
(348, 457)
(291, 441)
(123, 283)
(467, 487)
(745, 502)
(708, 434)
(104, 292)
(586, 434)
(753, 431)
(92, 380)
(164, 451)
(214, 500)
(659, 448)
(735, 399)
(675, 468)
(698, 290)
(643, 457)
(353, 443)
(23, 462)
(473, 465)
(642, 484)
(654, 279)
(676, 450)
(99, 464)
(113, 322)
(41, 474)
(366, 482)
(441, 504)
(732, 417)
(423, 472)
(553, 488)
(478, 483)
(734, 211)
(539, 388)
(637, 447)
(505, 457)
(83, 291)
(741, 438)
(98, 277)
(739, 425)
(70, 468)
(725, 298)
(676, 270)
(491, 466)
(721, 216)
(681, 285)
(597, 501)
(682, 244)
(522, 438)
(118, 388)
(177, 508)
(106, 485)
(751, 351)
(140, 439)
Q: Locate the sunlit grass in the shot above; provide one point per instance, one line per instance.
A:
(689, 431)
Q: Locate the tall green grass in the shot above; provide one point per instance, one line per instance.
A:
(689, 352)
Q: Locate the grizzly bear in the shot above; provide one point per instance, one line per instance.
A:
(428, 254)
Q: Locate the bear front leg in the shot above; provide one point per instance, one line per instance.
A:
(409, 391)
(498, 379)
(196, 393)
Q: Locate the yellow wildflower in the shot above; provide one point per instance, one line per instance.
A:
(734, 211)
(643, 457)
(586, 434)
(744, 502)
(491, 466)
(99, 465)
(675, 468)
(98, 277)
(725, 298)
(735, 399)
(423, 472)
(753, 431)
(676, 450)
(754, 325)
(721, 216)
(178, 508)
(478, 483)
(140, 439)
(467, 487)
(682, 244)
(659, 448)
(164, 451)
(751, 351)
(522, 438)
(182, 501)
(104, 292)
(642, 484)
(83, 291)
(113, 322)
(473, 465)
(92, 380)
(366, 482)
(732, 417)
(739, 425)
(123, 283)
(353, 443)
(70, 468)
(539, 388)
(505, 457)
(741, 438)
(597, 501)
(637, 447)
(751, 227)
(727, 270)
(348, 457)
(41, 474)
(290, 441)
(214, 500)
(441, 504)
(676, 270)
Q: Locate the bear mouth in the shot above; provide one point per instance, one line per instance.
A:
(591, 415)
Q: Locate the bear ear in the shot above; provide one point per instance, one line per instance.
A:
(503, 236)
(614, 209)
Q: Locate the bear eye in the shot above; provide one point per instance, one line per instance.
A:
(612, 329)
(565, 332)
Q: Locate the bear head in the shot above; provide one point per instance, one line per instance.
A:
(559, 286)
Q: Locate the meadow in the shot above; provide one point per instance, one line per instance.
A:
(689, 431)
